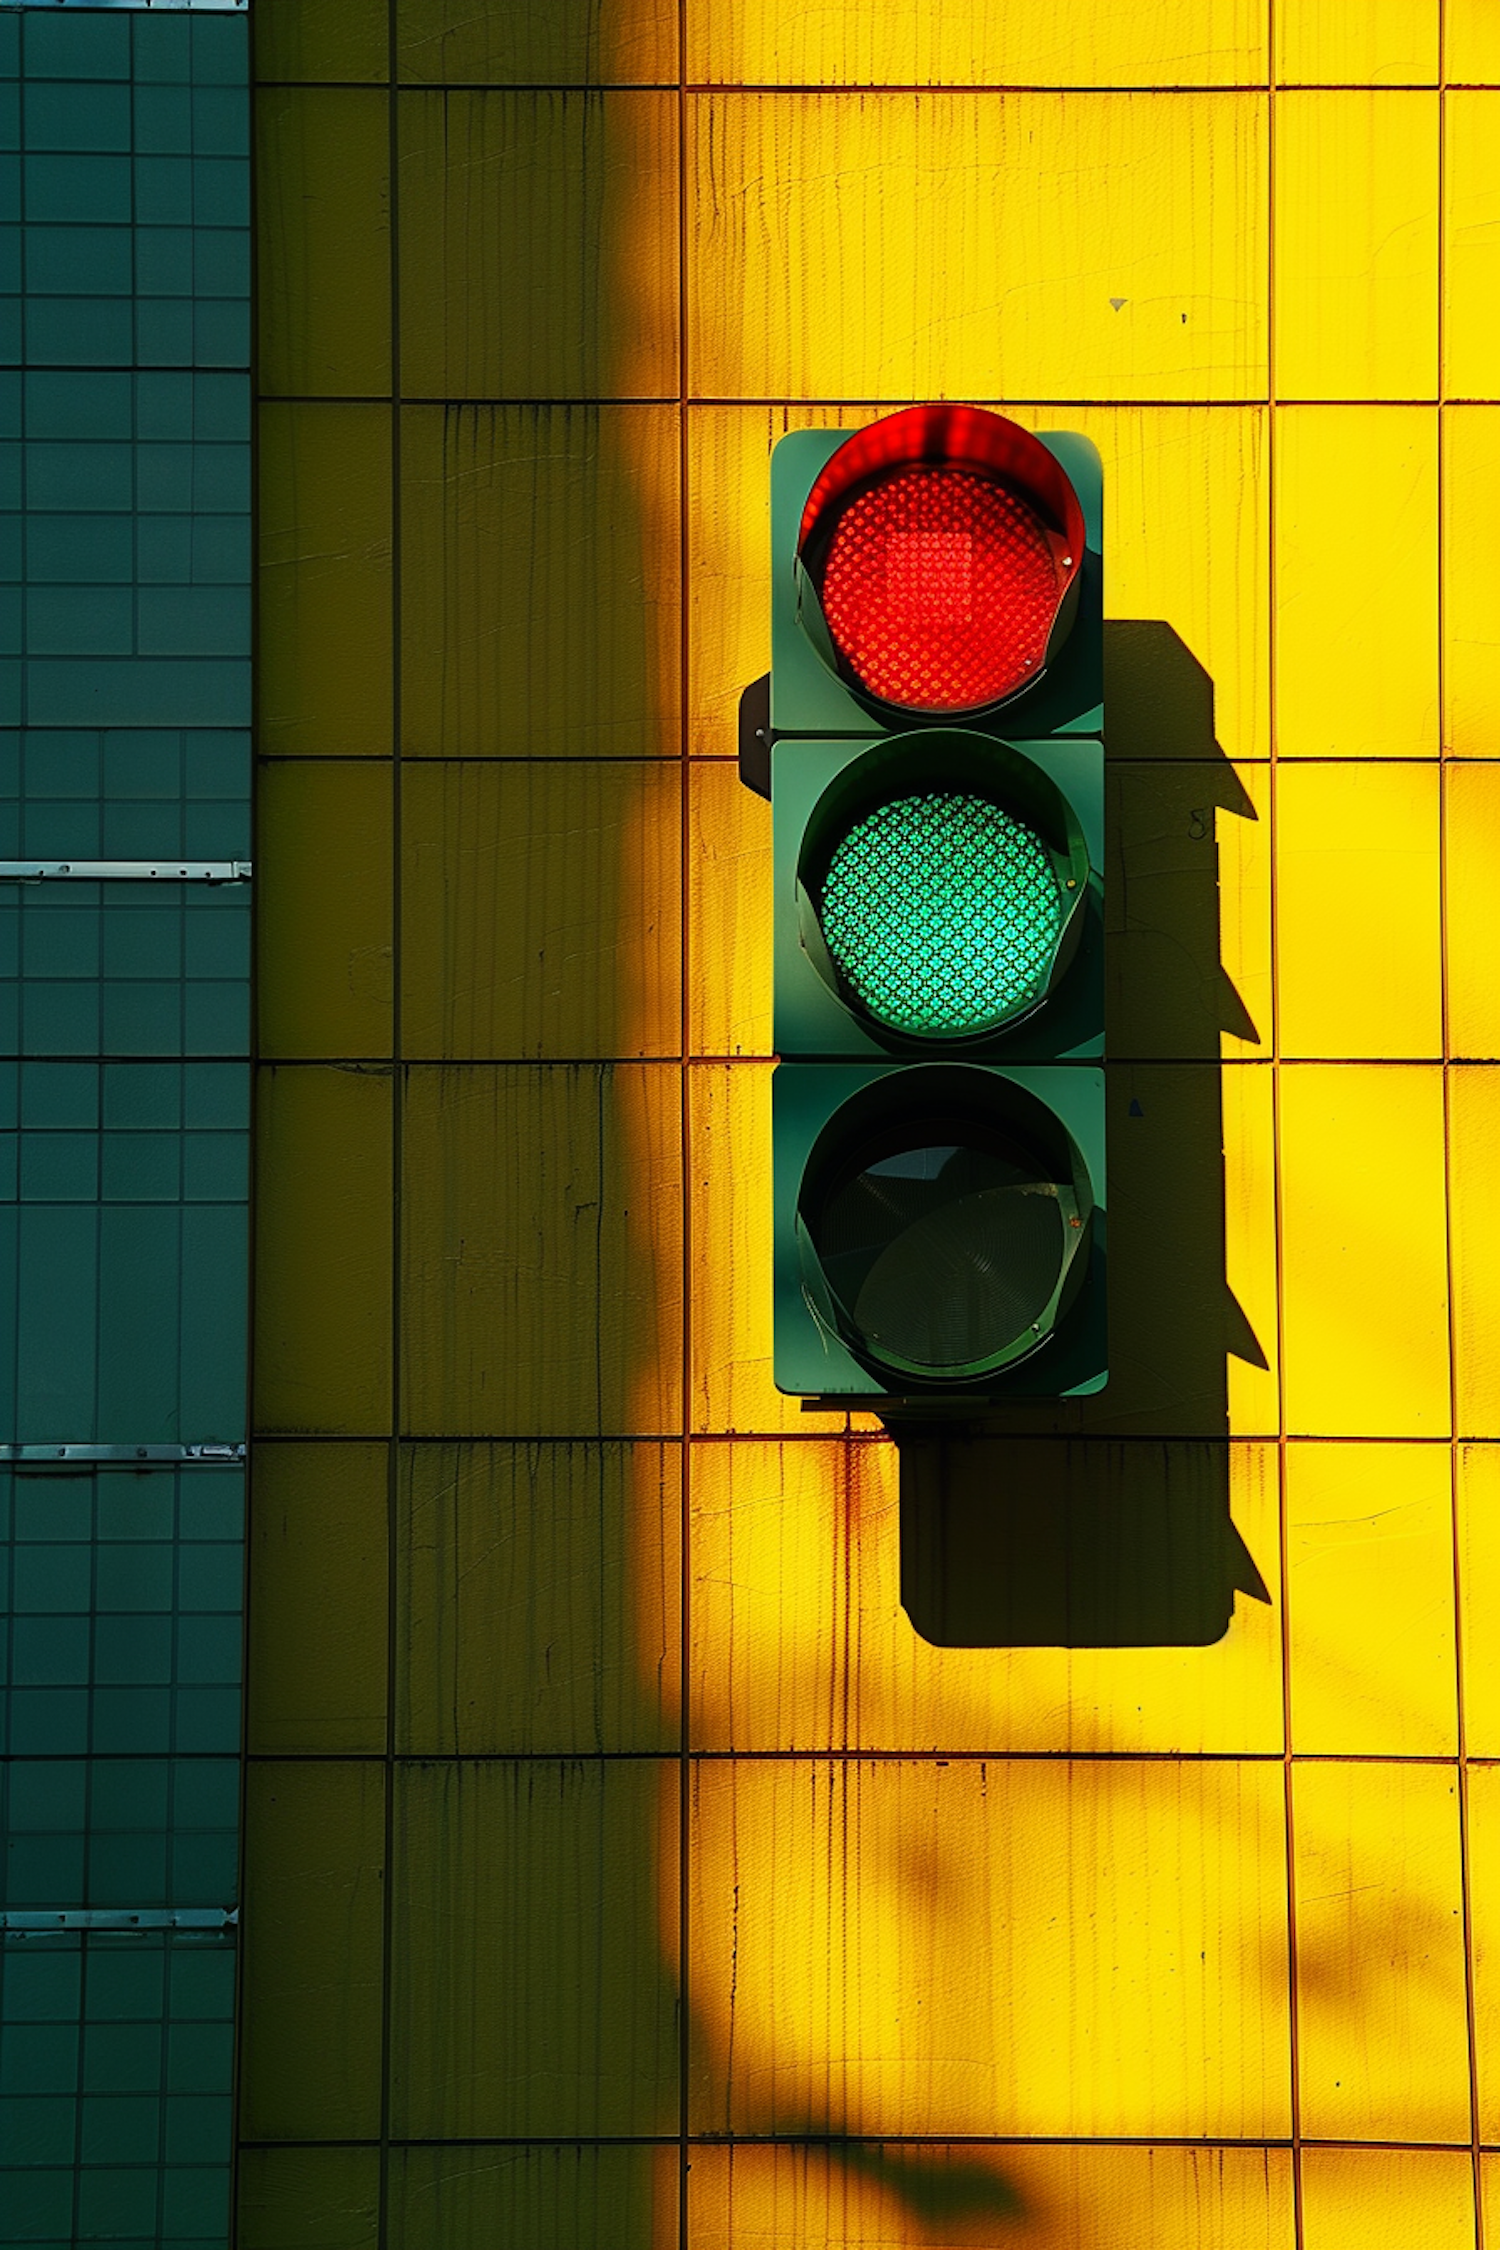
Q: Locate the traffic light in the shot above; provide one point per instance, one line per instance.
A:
(932, 728)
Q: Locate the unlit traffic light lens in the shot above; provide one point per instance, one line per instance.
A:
(940, 589)
(942, 912)
(943, 1253)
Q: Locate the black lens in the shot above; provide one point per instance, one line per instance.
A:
(942, 1250)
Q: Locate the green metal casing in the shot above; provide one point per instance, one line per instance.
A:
(828, 1052)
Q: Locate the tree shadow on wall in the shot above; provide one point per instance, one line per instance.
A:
(1106, 1523)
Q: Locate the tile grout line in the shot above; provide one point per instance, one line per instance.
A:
(853, 89)
(775, 402)
(685, 1773)
(1205, 2143)
(436, 1061)
(1294, 2051)
(397, 1091)
(503, 761)
(1455, 1471)
(758, 1434)
(252, 1135)
(861, 1754)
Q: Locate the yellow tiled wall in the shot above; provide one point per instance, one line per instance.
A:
(626, 1869)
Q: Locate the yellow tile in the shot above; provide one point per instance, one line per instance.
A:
(336, 40)
(1378, 43)
(876, 275)
(323, 1250)
(1356, 234)
(540, 600)
(1484, 1910)
(1356, 582)
(1471, 581)
(1352, 2197)
(542, 1267)
(987, 1948)
(1188, 900)
(324, 893)
(315, 1674)
(314, 1893)
(1089, 2196)
(309, 2198)
(1186, 510)
(538, 1603)
(813, 1629)
(541, 909)
(729, 914)
(900, 43)
(1472, 39)
(538, 244)
(1187, 532)
(1370, 1600)
(1471, 839)
(1359, 911)
(730, 1295)
(567, 43)
(1364, 1287)
(528, 1997)
(555, 2198)
(1383, 2036)
(1489, 2191)
(325, 578)
(1478, 1593)
(1471, 268)
(1473, 1159)
(323, 231)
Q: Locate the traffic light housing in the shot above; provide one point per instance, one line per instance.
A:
(933, 731)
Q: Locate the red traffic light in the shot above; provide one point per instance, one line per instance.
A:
(942, 544)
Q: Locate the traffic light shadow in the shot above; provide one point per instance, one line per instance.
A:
(1069, 1543)
(1105, 1522)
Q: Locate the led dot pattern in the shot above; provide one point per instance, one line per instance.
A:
(942, 911)
(940, 589)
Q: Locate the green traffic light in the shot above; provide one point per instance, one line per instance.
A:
(942, 911)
